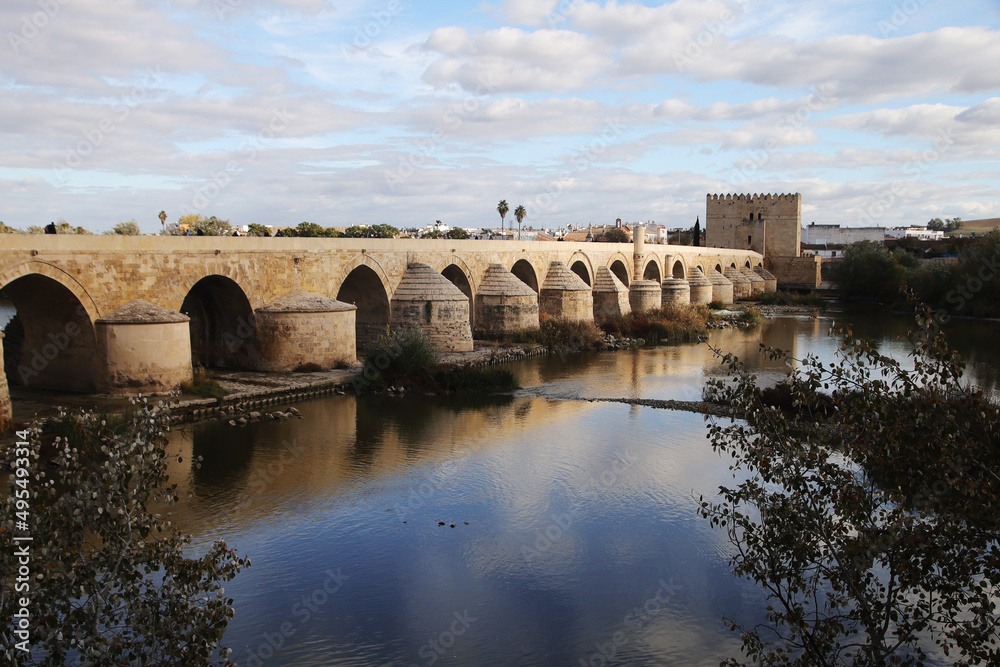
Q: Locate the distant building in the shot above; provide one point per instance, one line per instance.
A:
(835, 235)
(921, 233)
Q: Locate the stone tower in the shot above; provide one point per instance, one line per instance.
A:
(768, 224)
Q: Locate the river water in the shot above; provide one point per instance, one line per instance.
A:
(533, 529)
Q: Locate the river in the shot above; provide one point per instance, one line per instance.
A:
(533, 529)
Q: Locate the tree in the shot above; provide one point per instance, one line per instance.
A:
(868, 269)
(520, 214)
(433, 234)
(308, 230)
(383, 231)
(613, 235)
(126, 228)
(256, 229)
(866, 506)
(457, 233)
(936, 224)
(163, 219)
(214, 227)
(502, 209)
(697, 231)
(200, 225)
(110, 582)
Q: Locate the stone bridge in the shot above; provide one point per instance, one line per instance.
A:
(68, 289)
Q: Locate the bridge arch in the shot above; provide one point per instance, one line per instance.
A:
(50, 342)
(677, 268)
(55, 273)
(580, 264)
(653, 270)
(457, 271)
(619, 266)
(223, 326)
(367, 288)
(527, 274)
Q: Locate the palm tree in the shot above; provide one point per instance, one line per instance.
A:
(502, 209)
(163, 218)
(520, 214)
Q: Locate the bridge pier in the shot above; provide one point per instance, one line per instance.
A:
(301, 331)
(429, 301)
(143, 348)
(722, 288)
(675, 292)
(645, 295)
(505, 303)
(701, 289)
(770, 282)
(756, 282)
(611, 296)
(741, 284)
(564, 295)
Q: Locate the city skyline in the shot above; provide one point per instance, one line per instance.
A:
(344, 113)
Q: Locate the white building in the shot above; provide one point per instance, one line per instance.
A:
(921, 233)
(835, 235)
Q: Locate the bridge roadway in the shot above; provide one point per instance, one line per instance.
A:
(61, 284)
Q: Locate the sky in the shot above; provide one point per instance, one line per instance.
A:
(345, 112)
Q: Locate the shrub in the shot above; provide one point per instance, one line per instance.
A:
(401, 351)
(868, 514)
(203, 384)
(111, 584)
(749, 318)
(670, 323)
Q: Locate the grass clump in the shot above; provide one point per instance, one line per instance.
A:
(404, 357)
(750, 317)
(667, 324)
(203, 384)
(402, 351)
(557, 335)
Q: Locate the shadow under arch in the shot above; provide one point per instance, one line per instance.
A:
(364, 288)
(50, 342)
(461, 280)
(620, 269)
(677, 270)
(652, 271)
(223, 328)
(526, 273)
(580, 264)
(580, 269)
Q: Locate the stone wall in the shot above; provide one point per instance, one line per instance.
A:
(291, 341)
(148, 358)
(796, 272)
